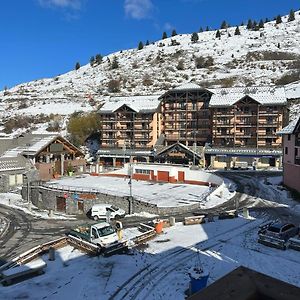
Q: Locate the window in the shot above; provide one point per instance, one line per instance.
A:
(142, 171)
(286, 150)
(289, 137)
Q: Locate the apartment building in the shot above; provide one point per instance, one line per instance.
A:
(232, 125)
(186, 115)
(129, 124)
(245, 122)
(291, 154)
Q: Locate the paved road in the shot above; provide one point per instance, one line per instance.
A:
(26, 231)
(250, 187)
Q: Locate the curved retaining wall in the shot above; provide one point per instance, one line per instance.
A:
(47, 198)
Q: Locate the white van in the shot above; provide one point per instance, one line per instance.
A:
(99, 211)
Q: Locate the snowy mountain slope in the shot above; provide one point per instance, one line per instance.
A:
(253, 58)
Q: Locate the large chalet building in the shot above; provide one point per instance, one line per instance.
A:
(129, 125)
(245, 122)
(186, 115)
(226, 126)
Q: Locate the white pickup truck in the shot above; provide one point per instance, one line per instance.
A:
(101, 234)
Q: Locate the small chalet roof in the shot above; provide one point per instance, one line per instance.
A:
(188, 86)
(292, 90)
(35, 145)
(290, 129)
(178, 145)
(12, 163)
(141, 104)
(263, 95)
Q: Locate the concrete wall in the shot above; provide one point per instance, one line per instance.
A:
(157, 174)
(45, 198)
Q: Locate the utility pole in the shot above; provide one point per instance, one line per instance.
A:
(28, 192)
(124, 151)
(130, 188)
(195, 149)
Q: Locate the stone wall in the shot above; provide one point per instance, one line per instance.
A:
(45, 198)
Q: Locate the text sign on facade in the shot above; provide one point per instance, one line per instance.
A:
(56, 148)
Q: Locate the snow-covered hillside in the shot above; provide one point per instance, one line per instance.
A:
(259, 57)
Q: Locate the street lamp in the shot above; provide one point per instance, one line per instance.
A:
(130, 187)
(28, 191)
(195, 148)
(124, 152)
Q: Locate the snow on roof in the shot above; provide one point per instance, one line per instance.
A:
(40, 144)
(37, 144)
(292, 90)
(289, 129)
(188, 86)
(263, 95)
(147, 103)
(12, 163)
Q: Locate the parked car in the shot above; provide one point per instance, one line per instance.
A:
(99, 211)
(277, 234)
(281, 231)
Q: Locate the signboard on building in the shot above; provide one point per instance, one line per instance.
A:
(56, 148)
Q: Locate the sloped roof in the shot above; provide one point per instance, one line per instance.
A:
(12, 163)
(34, 145)
(263, 95)
(243, 284)
(290, 129)
(188, 86)
(182, 146)
(141, 104)
(292, 90)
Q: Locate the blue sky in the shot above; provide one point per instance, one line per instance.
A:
(44, 38)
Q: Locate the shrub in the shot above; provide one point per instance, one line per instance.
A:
(288, 78)
(204, 62)
(113, 86)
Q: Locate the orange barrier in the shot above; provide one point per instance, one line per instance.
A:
(159, 227)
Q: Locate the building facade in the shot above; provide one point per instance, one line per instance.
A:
(186, 115)
(131, 126)
(232, 125)
(245, 122)
(291, 154)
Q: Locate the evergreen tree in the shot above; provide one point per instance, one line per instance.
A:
(201, 29)
(261, 24)
(249, 24)
(77, 66)
(115, 63)
(278, 19)
(255, 26)
(237, 31)
(207, 28)
(92, 60)
(147, 43)
(140, 46)
(98, 58)
(291, 16)
(164, 35)
(242, 24)
(224, 25)
(267, 20)
(174, 33)
(194, 37)
(218, 34)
